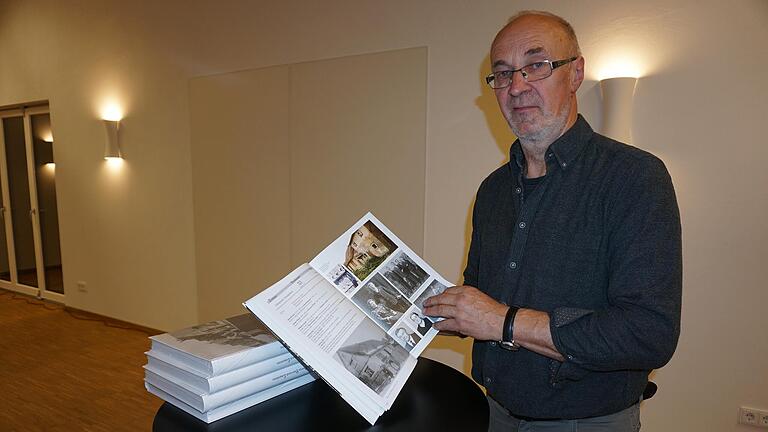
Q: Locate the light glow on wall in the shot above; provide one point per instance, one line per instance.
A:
(114, 163)
(111, 110)
(620, 67)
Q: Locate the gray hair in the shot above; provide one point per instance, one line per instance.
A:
(564, 25)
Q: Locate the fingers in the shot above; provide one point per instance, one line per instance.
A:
(444, 310)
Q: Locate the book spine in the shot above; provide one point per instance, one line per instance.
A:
(231, 394)
(233, 407)
(246, 373)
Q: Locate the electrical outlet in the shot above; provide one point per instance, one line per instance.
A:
(762, 419)
(82, 286)
(753, 417)
(747, 416)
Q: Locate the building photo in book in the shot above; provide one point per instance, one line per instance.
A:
(372, 356)
(433, 289)
(368, 247)
(381, 301)
(404, 274)
(242, 330)
(342, 278)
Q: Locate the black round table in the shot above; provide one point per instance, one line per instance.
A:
(435, 398)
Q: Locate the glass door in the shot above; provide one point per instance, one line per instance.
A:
(31, 259)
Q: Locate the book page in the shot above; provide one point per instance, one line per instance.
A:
(352, 353)
(371, 266)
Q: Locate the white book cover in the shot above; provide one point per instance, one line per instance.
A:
(232, 407)
(201, 384)
(216, 347)
(353, 314)
(207, 402)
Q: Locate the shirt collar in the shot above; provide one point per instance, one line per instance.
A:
(563, 151)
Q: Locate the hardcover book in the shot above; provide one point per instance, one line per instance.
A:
(354, 314)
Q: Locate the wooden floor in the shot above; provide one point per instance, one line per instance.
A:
(60, 373)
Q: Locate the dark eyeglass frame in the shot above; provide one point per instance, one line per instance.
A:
(526, 71)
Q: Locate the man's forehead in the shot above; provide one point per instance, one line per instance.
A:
(526, 37)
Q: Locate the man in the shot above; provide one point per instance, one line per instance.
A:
(573, 282)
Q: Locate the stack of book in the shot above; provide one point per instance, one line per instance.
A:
(221, 367)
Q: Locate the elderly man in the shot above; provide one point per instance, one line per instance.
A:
(573, 282)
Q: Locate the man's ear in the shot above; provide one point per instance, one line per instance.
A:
(577, 75)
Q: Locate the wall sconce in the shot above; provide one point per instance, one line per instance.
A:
(618, 97)
(112, 146)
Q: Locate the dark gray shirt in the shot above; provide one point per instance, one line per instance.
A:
(597, 246)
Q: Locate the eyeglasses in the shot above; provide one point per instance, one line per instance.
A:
(532, 72)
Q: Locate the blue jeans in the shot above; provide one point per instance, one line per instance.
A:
(501, 420)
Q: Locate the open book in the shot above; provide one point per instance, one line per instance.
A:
(353, 314)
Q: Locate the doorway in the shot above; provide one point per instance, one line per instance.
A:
(30, 252)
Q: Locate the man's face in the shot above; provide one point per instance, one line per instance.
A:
(540, 110)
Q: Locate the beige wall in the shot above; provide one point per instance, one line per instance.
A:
(285, 158)
(700, 106)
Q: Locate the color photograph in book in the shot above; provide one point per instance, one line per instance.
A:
(368, 247)
(352, 257)
(372, 356)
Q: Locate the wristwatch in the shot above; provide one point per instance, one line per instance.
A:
(507, 336)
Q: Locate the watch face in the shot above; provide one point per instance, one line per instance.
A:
(512, 346)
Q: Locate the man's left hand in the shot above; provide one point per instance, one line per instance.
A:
(467, 311)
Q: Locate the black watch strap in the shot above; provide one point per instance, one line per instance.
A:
(508, 332)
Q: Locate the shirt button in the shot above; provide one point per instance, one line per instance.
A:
(522, 225)
(513, 265)
(488, 380)
(493, 344)
(518, 190)
(564, 164)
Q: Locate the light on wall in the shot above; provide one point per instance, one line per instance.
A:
(112, 145)
(618, 97)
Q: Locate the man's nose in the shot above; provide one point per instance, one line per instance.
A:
(517, 84)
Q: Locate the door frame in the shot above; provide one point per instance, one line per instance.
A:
(34, 212)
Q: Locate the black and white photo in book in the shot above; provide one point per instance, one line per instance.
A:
(434, 288)
(368, 247)
(420, 322)
(406, 336)
(381, 301)
(404, 274)
(342, 278)
(372, 356)
(242, 330)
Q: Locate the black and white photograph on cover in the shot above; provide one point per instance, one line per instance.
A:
(381, 301)
(368, 247)
(421, 323)
(406, 336)
(372, 356)
(242, 330)
(342, 278)
(433, 289)
(404, 274)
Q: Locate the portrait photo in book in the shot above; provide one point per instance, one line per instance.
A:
(381, 301)
(406, 336)
(372, 356)
(404, 274)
